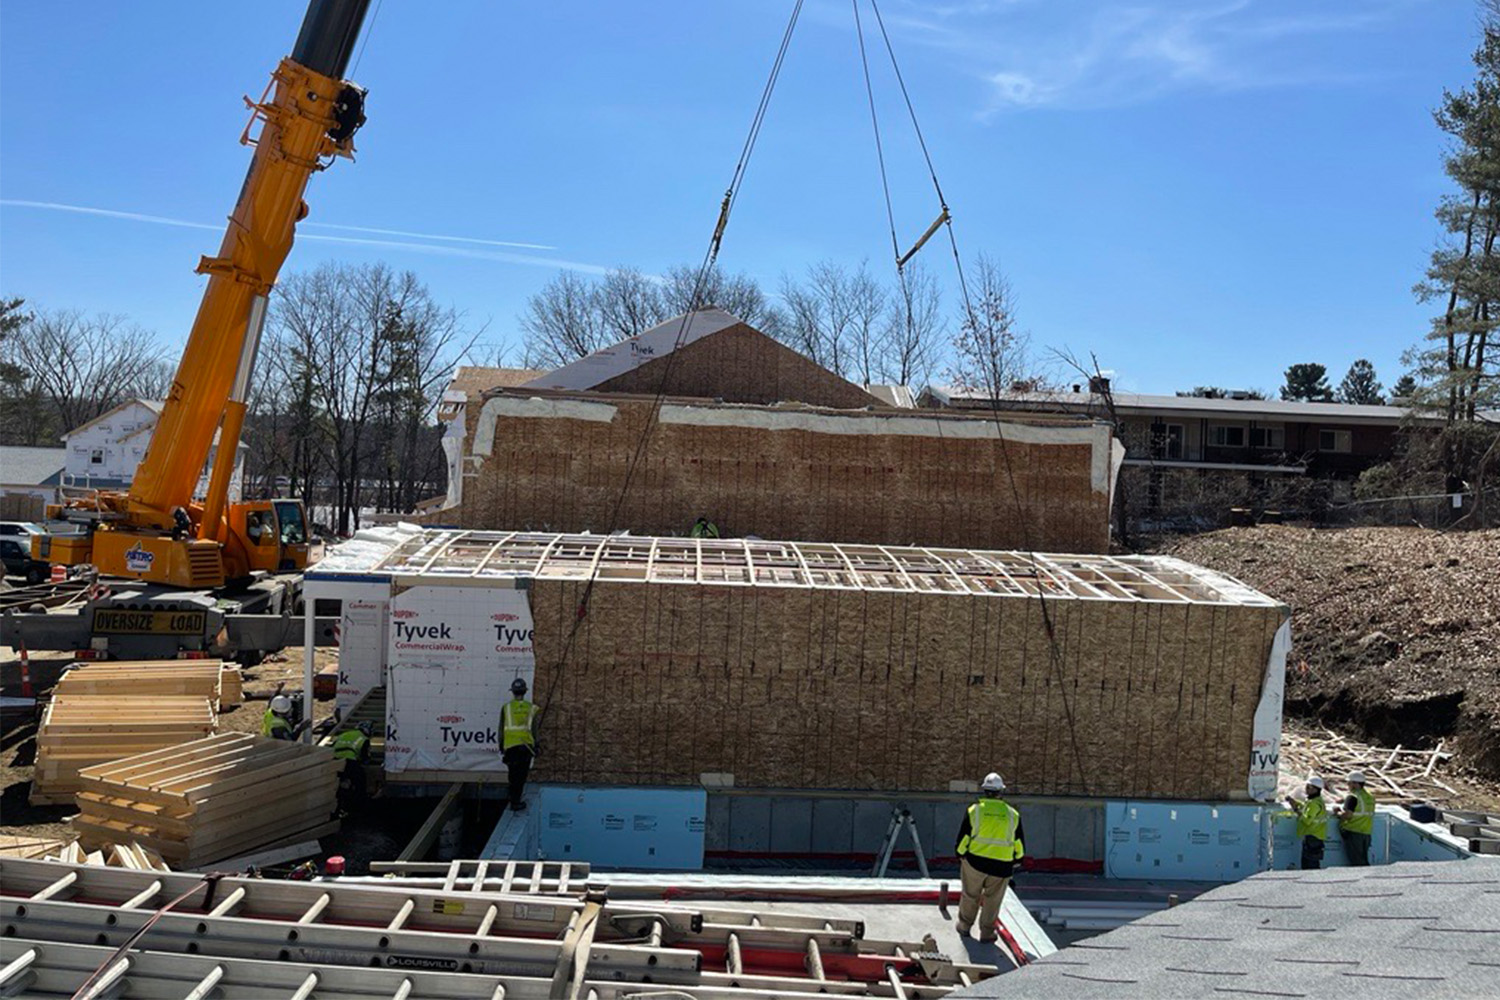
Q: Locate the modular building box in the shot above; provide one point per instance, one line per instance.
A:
(668, 661)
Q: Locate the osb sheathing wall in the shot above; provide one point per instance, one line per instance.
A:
(549, 471)
(741, 365)
(847, 689)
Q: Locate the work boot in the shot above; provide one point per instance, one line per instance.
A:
(962, 928)
(988, 938)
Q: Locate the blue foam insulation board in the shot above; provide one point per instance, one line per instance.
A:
(1183, 840)
(619, 827)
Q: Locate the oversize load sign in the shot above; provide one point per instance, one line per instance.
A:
(454, 652)
(122, 621)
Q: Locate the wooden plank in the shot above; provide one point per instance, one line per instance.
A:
(426, 836)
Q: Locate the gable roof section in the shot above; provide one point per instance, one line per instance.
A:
(617, 359)
(24, 466)
(739, 364)
(154, 405)
(1410, 929)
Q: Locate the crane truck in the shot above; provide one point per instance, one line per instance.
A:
(171, 570)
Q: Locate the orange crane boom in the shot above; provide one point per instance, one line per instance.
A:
(156, 532)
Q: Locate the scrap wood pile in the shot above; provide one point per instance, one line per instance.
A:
(105, 711)
(211, 799)
(1392, 773)
(112, 855)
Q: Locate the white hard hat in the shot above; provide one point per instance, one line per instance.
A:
(993, 782)
(281, 704)
(1356, 777)
(1314, 781)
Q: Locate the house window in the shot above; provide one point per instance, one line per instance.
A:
(1273, 438)
(96, 456)
(1226, 436)
(1166, 440)
(1333, 441)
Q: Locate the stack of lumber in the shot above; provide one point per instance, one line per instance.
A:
(209, 679)
(211, 799)
(80, 730)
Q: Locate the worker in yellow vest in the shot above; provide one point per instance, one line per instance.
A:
(1312, 822)
(1356, 819)
(352, 746)
(277, 722)
(517, 741)
(989, 848)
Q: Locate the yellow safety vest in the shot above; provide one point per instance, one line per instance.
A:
(515, 720)
(1362, 820)
(274, 725)
(992, 832)
(1312, 819)
(349, 745)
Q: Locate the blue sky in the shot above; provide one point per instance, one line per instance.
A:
(1199, 191)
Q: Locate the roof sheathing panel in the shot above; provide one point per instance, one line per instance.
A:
(438, 555)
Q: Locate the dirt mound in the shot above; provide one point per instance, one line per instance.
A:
(1395, 631)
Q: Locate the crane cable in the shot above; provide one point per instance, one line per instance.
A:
(991, 376)
(710, 258)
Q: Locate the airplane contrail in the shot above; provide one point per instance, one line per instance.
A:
(430, 236)
(529, 260)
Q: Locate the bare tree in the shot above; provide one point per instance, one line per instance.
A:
(629, 303)
(562, 322)
(737, 294)
(80, 366)
(990, 354)
(821, 318)
(914, 328)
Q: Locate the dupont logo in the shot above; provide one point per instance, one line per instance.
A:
(403, 613)
(501, 616)
(450, 718)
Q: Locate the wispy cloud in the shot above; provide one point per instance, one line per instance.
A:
(1097, 54)
(407, 246)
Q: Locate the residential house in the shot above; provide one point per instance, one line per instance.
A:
(104, 453)
(1199, 452)
(28, 481)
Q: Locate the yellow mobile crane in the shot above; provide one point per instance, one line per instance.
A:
(156, 532)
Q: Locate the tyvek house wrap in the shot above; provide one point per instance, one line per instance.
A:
(454, 652)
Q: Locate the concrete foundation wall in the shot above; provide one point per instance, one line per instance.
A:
(1059, 832)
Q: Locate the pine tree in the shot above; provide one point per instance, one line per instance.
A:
(1459, 371)
(1360, 385)
(1405, 387)
(1308, 383)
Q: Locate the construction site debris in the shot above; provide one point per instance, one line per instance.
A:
(211, 799)
(81, 730)
(1398, 774)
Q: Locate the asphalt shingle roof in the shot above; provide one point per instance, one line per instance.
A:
(1398, 930)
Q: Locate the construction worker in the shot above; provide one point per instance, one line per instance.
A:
(353, 748)
(277, 722)
(989, 848)
(704, 528)
(1312, 822)
(1356, 819)
(518, 741)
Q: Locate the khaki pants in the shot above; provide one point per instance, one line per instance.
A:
(983, 895)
